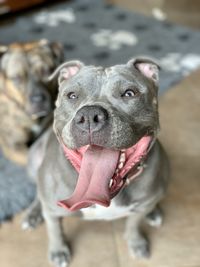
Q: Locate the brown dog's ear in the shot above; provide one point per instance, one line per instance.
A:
(58, 52)
(3, 49)
(66, 70)
(148, 67)
(56, 49)
(3, 57)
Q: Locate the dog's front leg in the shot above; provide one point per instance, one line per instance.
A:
(59, 253)
(137, 243)
(33, 216)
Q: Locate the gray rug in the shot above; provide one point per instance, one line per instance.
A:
(102, 34)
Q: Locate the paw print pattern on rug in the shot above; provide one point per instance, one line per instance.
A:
(54, 18)
(114, 40)
(177, 62)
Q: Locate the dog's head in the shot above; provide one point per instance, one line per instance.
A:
(106, 119)
(24, 69)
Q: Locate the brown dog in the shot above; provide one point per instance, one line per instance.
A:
(26, 98)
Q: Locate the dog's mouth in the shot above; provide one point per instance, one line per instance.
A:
(39, 114)
(103, 172)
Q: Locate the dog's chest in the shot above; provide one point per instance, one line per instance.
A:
(97, 212)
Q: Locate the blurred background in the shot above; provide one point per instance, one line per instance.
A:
(182, 12)
(108, 32)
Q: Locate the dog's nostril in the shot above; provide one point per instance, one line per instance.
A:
(82, 119)
(96, 118)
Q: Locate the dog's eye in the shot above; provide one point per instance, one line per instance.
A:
(129, 93)
(72, 95)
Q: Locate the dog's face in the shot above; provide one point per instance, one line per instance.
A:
(106, 120)
(112, 107)
(25, 69)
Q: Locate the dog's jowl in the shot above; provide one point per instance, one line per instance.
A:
(26, 97)
(102, 159)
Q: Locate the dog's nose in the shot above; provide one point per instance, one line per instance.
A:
(37, 98)
(91, 118)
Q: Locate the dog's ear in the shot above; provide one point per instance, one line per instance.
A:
(66, 70)
(56, 49)
(3, 50)
(148, 67)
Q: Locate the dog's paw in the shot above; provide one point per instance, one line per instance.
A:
(155, 218)
(32, 220)
(60, 258)
(139, 249)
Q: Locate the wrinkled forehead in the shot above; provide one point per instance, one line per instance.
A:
(122, 74)
(96, 79)
(19, 62)
(89, 79)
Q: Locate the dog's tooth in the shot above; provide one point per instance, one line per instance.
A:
(116, 171)
(122, 157)
(121, 183)
(111, 183)
(139, 167)
(120, 166)
(127, 181)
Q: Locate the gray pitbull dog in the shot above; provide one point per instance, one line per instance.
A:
(102, 160)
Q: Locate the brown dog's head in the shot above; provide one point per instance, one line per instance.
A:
(24, 69)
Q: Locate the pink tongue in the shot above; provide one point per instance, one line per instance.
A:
(97, 168)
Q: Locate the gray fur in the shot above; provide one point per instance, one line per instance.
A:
(128, 120)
